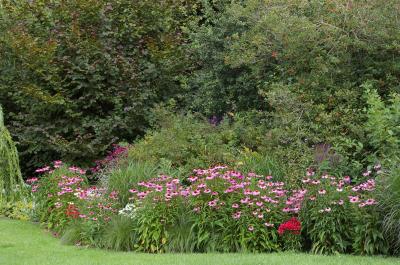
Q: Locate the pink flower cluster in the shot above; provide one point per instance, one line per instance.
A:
(329, 186)
(219, 189)
(113, 156)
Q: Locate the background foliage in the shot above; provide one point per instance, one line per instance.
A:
(77, 76)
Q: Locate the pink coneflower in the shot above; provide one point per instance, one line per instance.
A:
(237, 215)
(207, 191)
(229, 190)
(310, 173)
(260, 216)
(328, 210)
(269, 224)
(354, 199)
(370, 202)
(321, 192)
(192, 178)
(201, 185)
(212, 203)
(366, 173)
(41, 170)
(133, 191)
(195, 192)
(245, 200)
(235, 205)
(251, 228)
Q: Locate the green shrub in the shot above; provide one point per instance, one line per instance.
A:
(78, 76)
(383, 125)
(20, 210)
(246, 140)
(187, 142)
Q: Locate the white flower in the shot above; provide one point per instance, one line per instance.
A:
(129, 211)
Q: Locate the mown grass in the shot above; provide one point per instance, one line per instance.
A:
(27, 243)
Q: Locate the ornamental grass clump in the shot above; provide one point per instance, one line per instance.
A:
(11, 182)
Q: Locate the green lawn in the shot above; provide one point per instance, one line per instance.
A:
(26, 243)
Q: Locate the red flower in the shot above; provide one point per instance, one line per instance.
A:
(72, 211)
(293, 226)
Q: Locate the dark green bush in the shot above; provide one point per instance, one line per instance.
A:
(77, 76)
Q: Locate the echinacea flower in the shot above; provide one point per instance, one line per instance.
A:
(207, 191)
(370, 202)
(195, 192)
(347, 179)
(212, 203)
(237, 215)
(354, 199)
